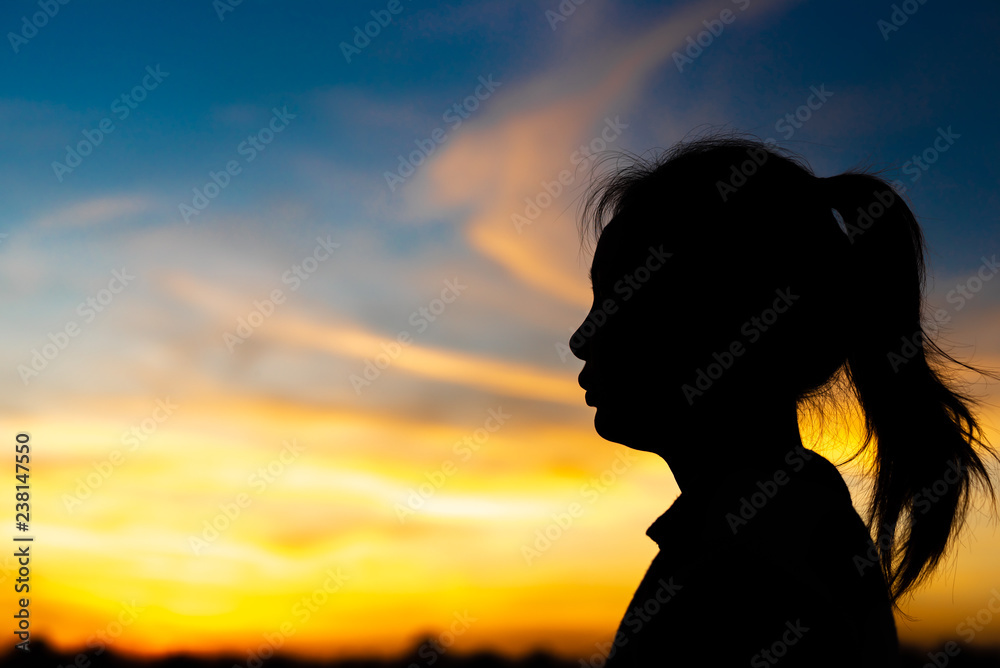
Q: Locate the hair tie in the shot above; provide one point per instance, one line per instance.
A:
(831, 193)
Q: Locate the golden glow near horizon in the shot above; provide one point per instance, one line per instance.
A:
(276, 538)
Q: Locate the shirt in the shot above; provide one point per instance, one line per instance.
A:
(775, 567)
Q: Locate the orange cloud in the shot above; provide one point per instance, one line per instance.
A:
(537, 134)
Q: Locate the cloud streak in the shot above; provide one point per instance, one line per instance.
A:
(94, 212)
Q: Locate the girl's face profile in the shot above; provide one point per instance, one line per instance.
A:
(631, 340)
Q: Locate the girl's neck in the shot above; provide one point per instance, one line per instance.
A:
(730, 444)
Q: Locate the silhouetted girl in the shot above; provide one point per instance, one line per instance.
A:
(726, 293)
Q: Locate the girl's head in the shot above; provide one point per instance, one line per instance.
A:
(720, 273)
(725, 287)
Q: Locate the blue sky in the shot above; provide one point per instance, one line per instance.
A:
(889, 95)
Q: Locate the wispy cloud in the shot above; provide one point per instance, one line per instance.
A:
(535, 132)
(94, 212)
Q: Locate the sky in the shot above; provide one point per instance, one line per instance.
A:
(287, 301)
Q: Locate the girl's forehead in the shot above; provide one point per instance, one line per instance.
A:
(624, 242)
(618, 238)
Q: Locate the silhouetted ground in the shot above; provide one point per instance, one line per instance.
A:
(969, 657)
(42, 655)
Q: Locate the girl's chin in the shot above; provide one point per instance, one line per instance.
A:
(646, 429)
(623, 429)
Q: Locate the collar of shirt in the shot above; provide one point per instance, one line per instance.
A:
(779, 491)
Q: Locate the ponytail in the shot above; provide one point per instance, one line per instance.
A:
(927, 440)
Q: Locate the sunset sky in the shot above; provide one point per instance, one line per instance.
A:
(314, 286)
